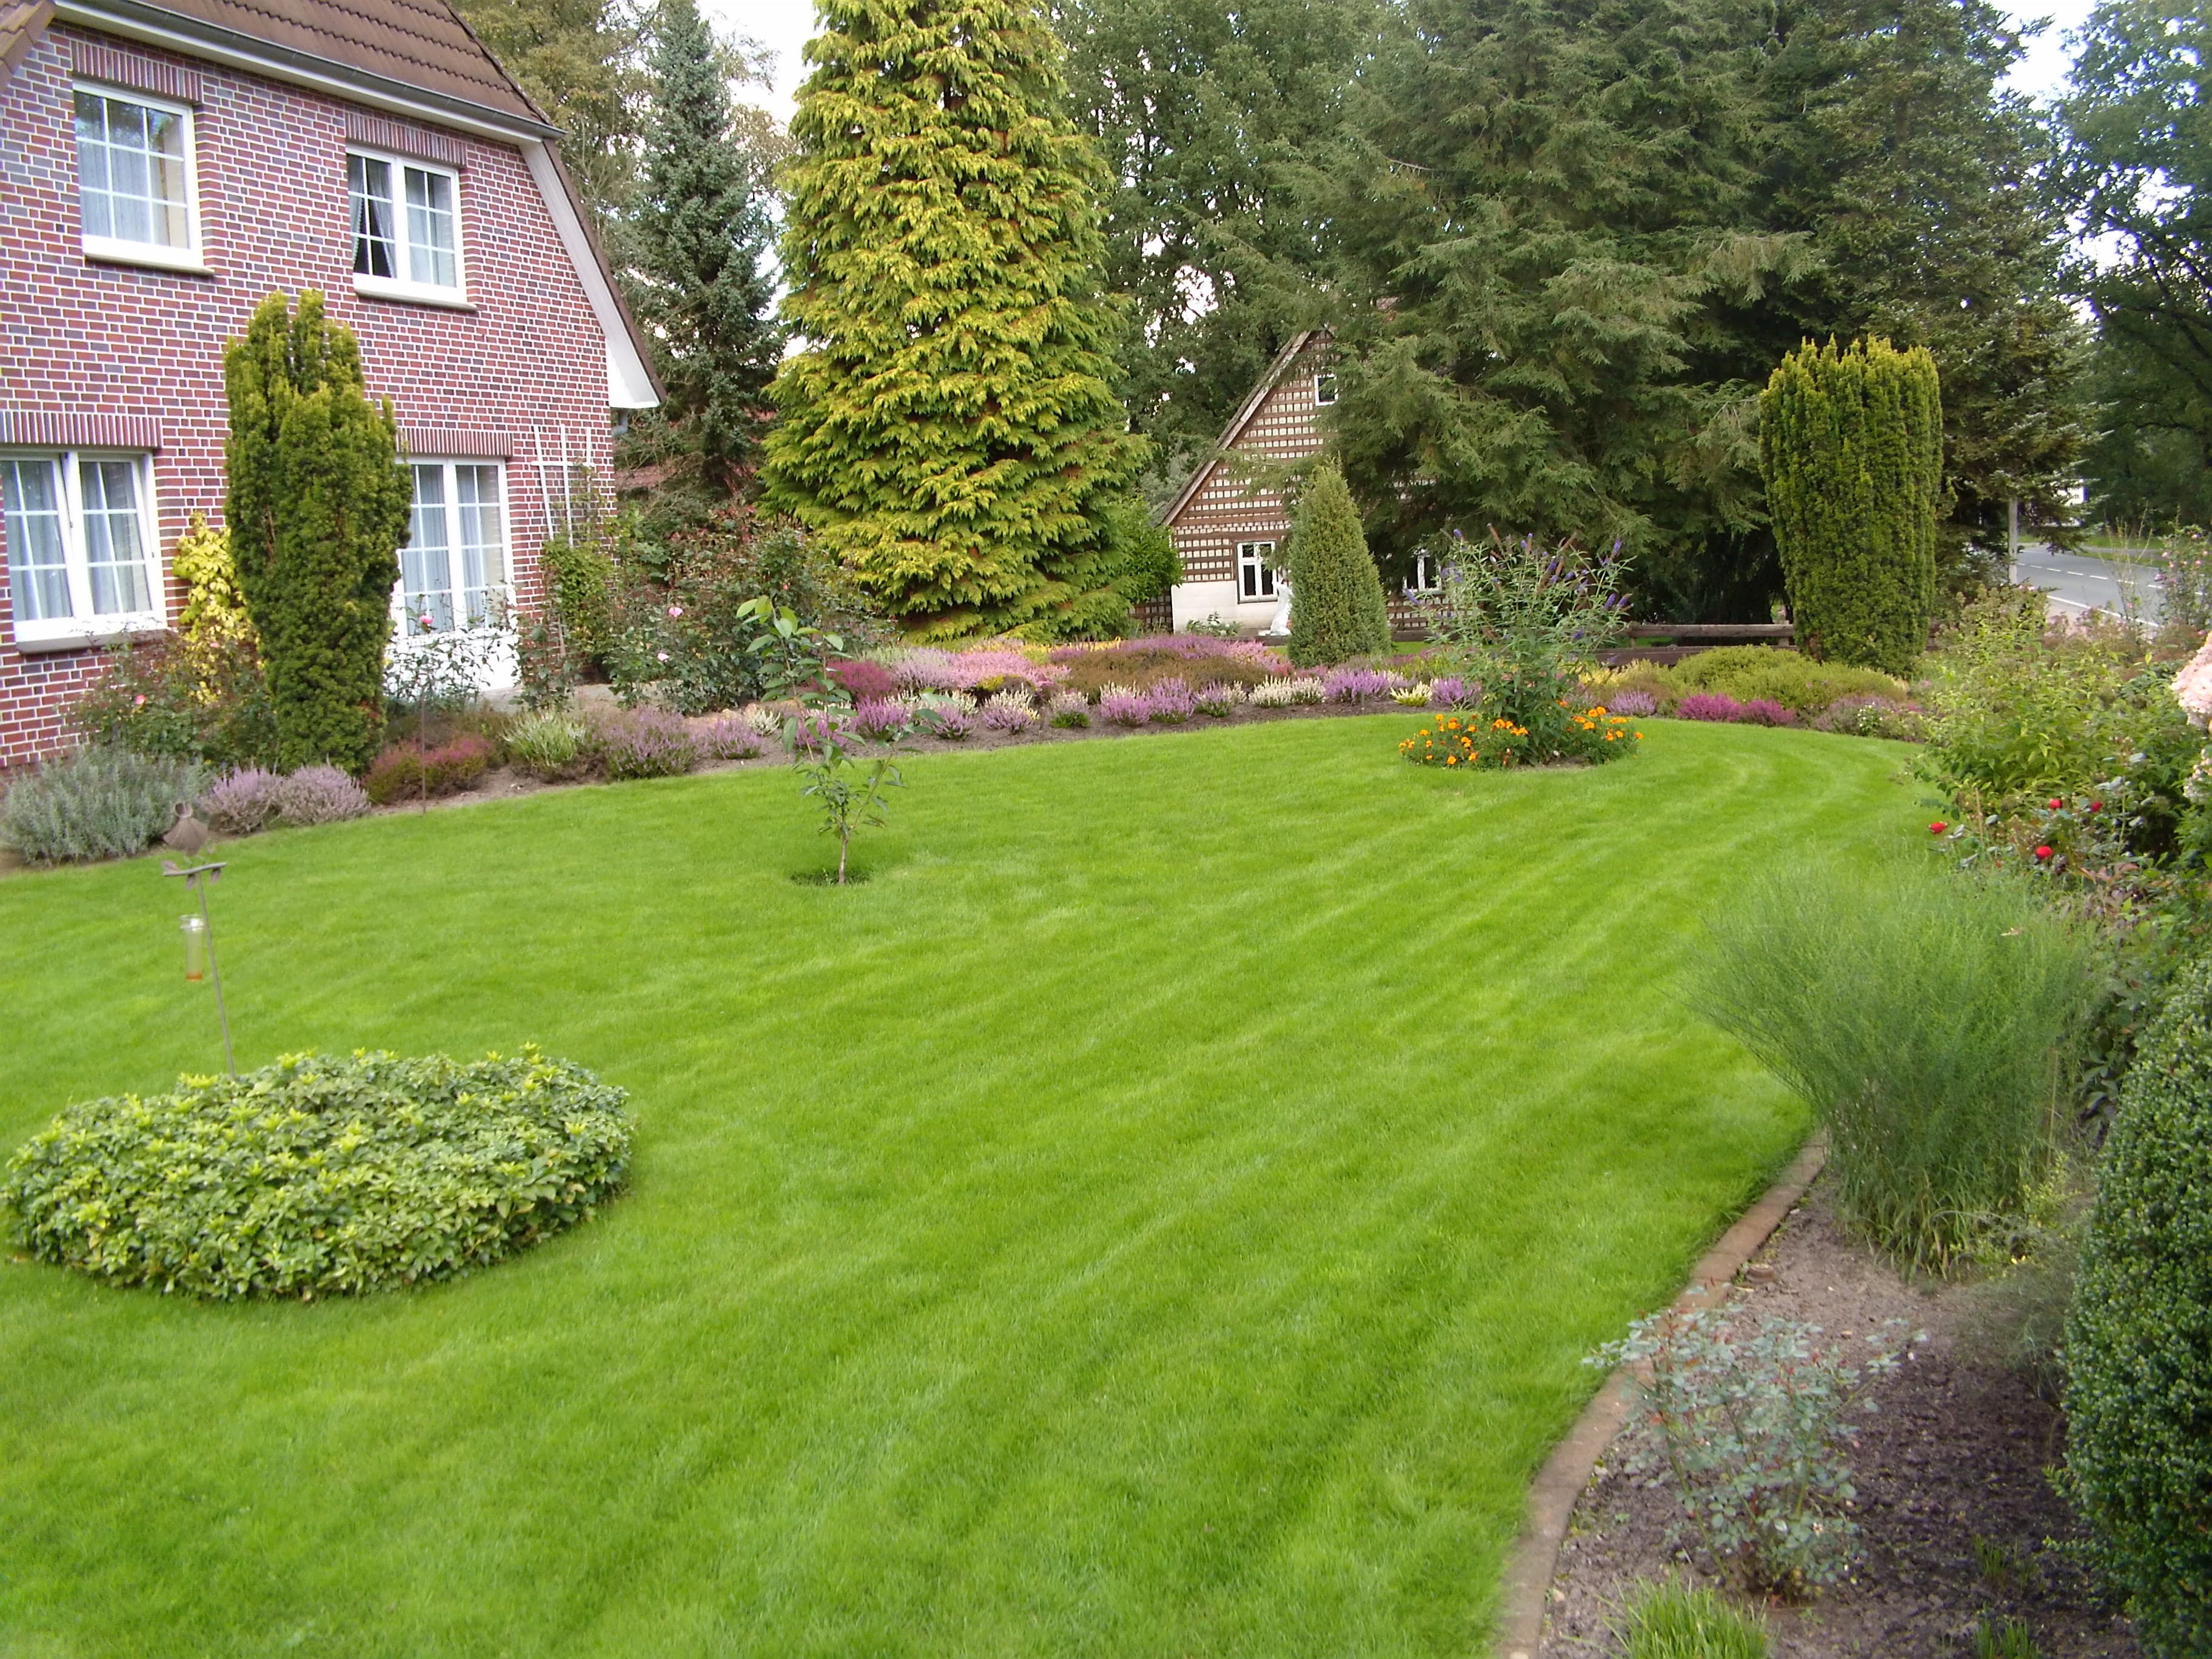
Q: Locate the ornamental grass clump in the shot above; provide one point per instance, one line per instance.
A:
(1676, 1621)
(1930, 1019)
(551, 745)
(99, 802)
(1753, 1432)
(321, 1175)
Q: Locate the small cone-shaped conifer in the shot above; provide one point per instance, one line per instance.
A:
(1337, 607)
(317, 506)
(1851, 444)
(703, 235)
(948, 431)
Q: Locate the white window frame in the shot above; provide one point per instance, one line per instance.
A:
(82, 627)
(1255, 572)
(407, 626)
(400, 287)
(1324, 388)
(116, 250)
(1428, 573)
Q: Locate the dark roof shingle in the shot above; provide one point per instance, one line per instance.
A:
(418, 43)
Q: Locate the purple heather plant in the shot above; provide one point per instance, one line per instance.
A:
(240, 803)
(948, 720)
(1762, 711)
(319, 794)
(1125, 707)
(1637, 705)
(644, 743)
(1009, 714)
(1172, 703)
(1359, 684)
(1708, 706)
(726, 736)
(881, 720)
(1450, 691)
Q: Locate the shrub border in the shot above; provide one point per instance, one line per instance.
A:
(1525, 1592)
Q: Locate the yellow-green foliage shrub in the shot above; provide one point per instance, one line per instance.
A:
(1747, 672)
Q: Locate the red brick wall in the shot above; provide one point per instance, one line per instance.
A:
(78, 339)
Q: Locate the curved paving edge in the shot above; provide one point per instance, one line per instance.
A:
(1535, 1558)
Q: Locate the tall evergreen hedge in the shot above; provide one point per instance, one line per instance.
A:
(950, 431)
(1337, 606)
(1851, 445)
(2139, 1337)
(318, 508)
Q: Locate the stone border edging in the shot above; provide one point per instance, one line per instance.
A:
(1559, 1483)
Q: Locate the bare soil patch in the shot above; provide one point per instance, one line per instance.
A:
(1960, 1521)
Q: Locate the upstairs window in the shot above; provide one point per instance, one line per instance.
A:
(81, 546)
(1324, 388)
(452, 572)
(1255, 571)
(406, 228)
(134, 178)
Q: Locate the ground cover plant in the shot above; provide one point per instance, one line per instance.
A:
(1165, 1138)
(320, 1175)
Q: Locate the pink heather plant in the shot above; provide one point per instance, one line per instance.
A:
(1125, 707)
(1637, 705)
(984, 668)
(948, 720)
(1761, 711)
(241, 802)
(1009, 714)
(1450, 691)
(646, 743)
(1708, 706)
(319, 794)
(1359, 684)
(1196, 648)
(726, 736)
(880, 721)
(1172, 703)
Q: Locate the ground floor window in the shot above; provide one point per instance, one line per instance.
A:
(83, 545)
(1256, 570)
(452, 572)
(1428, 574)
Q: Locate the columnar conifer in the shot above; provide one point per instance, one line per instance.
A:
(318, 506)
(1337, 606)
(950, 430)
(1851, 445)
(702, 236)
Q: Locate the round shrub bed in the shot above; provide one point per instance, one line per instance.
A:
(321, 1175)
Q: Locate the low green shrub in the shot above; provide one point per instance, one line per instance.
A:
(2139, 1337)
(100, 802)
(1673, 1621)
(321, 1175)
(1762, 673)
(1930, 1019)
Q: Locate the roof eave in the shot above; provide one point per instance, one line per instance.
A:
(1243, 418)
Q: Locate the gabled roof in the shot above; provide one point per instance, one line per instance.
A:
(1243, 418)
(21, 22)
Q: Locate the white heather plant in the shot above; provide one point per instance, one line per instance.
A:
(1219, 700)
(1752, 1432)
(765, 721)
(1069, 709)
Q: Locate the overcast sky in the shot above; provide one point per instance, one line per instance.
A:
(783, 26)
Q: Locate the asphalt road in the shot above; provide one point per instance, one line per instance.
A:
(2078, 584)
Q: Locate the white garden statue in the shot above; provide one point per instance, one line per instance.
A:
(1279, 625)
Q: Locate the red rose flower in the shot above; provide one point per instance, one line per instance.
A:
(2056, 805)
(2096, 806)
(1937, 828)
(2043, 852)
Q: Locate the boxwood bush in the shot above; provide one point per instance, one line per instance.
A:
(321, 1175)
(2139, 1337)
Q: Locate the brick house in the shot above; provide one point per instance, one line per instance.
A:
(1230, 525)
(165, 165)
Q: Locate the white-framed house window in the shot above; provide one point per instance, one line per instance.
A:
(138, 183)
(1428, 573)
(1324, 388)
(406, 230)
(453, 570)
(1255, 572)
(83, 545)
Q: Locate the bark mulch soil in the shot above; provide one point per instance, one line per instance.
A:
(1960, 1522)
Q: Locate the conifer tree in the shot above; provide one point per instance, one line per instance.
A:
(701, 238)
(317, 509)
(950, 431)
(1851, 445)
(1337, 607)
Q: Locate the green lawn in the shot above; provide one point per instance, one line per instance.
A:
(1161, 1213)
